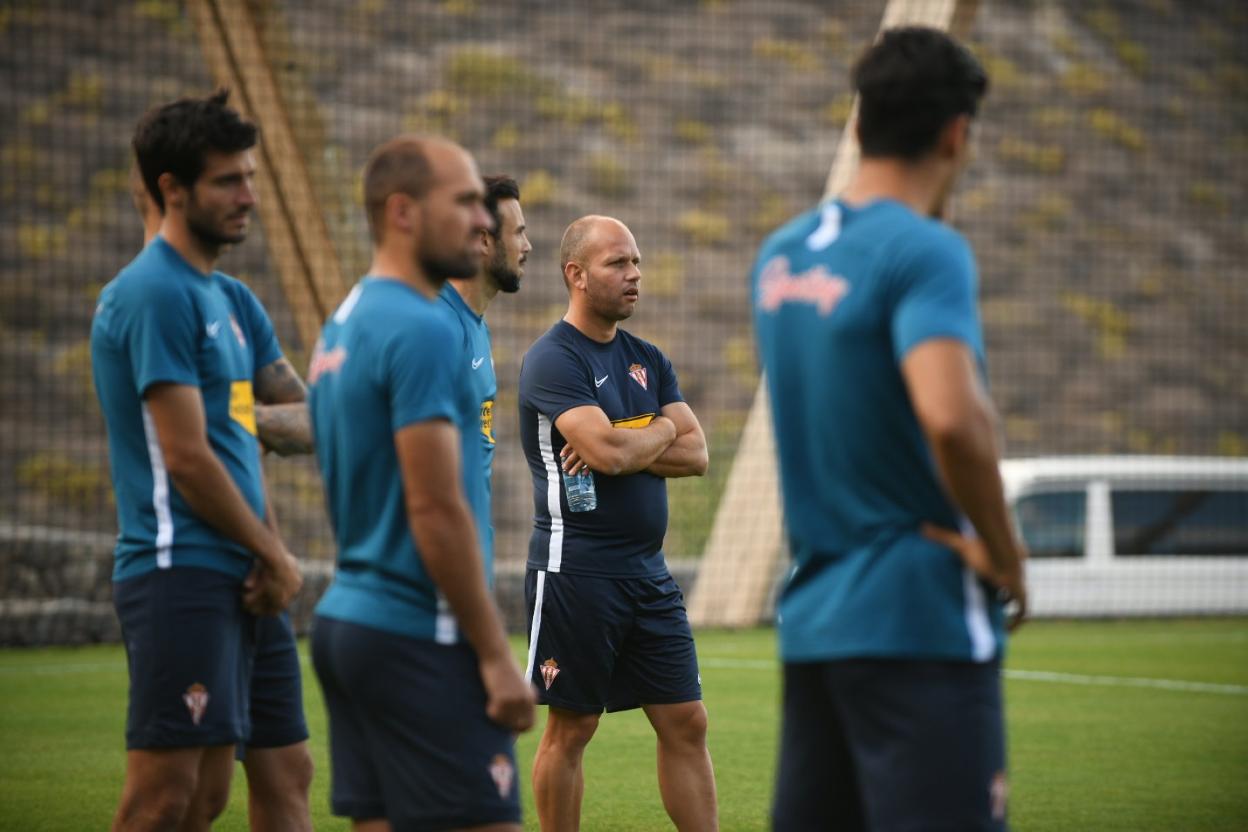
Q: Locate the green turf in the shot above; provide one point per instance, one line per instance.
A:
(1083, 756)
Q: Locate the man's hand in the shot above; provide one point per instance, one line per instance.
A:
(975, 555)
(571, 460)
(268, 591)
(510, 699)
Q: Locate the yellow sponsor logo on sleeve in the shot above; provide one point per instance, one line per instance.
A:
(487, 420)
(243, 405)
(633, 422)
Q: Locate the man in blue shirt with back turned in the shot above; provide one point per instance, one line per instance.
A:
(891, 623)
(422, 691)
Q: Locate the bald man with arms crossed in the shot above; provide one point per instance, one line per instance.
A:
(608, 629)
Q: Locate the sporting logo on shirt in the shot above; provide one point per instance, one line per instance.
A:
(598, 382)
(550, 669)
(633, 422)
(243, 405)
(477, 362)
(238, 332)
(212, 329)
(816, 286)
(196, 700)
(487, 420)
(638, 374)
(325, 361)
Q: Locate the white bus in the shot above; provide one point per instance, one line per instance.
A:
(1133, 535)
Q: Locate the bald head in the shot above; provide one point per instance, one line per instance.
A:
(580, 237)
(408, 165)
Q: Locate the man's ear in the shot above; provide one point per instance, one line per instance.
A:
(401, 213)
(574, 275)
(172, 192)
(486, 243)
(955, 136)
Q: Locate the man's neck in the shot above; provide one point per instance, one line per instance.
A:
(590, 325)
(203, 258)
(917, 185)
(401, 266)
(477, 291)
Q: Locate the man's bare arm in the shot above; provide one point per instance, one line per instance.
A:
(687, 455)
(278, 383)
(285, 429)
(445, 533)
(960, 424)
(595, 442)
(177, 412)
(282, 420)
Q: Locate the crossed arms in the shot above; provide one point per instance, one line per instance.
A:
(672, 445)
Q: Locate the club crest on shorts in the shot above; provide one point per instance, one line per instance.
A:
(550, 669)
(998, 793)
(196, 699)
(503, 773)
(638, 373)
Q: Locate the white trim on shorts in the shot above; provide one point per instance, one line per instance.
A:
(536, 625)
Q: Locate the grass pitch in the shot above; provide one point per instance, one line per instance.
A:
(1137, 725)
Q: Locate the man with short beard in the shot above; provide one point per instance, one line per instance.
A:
(608, 629)
(504, 250)
(422, 691)
(179, 353)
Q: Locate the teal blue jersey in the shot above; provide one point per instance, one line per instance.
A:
(162, 321)
(479, 369)
(841, 295)
(387, 358)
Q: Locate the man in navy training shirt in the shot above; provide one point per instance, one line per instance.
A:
(608, 629)
(422, 691)
(891, 624)
(504, 250)
(179, 353)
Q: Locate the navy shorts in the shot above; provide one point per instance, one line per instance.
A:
(891, 745)
(276, 687)
(189, 647)
(409, 740)
(609, 643)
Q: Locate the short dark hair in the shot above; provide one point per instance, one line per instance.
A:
(911, 83)
(498, 188)
(173, 138)
(400, 165)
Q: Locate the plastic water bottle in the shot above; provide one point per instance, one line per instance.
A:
(581, 493)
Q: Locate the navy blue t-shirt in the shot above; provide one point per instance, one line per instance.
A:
(631, 380)
(841, 295)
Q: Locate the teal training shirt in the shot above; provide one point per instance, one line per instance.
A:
(162, 321)
(479, 369)
(840, 295)
(387, 358)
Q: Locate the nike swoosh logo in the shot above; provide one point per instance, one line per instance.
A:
(213, 328)
(476, 362)
(598, 381)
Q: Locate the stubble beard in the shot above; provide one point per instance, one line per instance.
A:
(506, 279)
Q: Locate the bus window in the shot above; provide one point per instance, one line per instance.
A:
(1052, 523)
(1180, 522)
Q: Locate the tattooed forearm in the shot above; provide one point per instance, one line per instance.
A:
(285, 429)
(278, 383)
